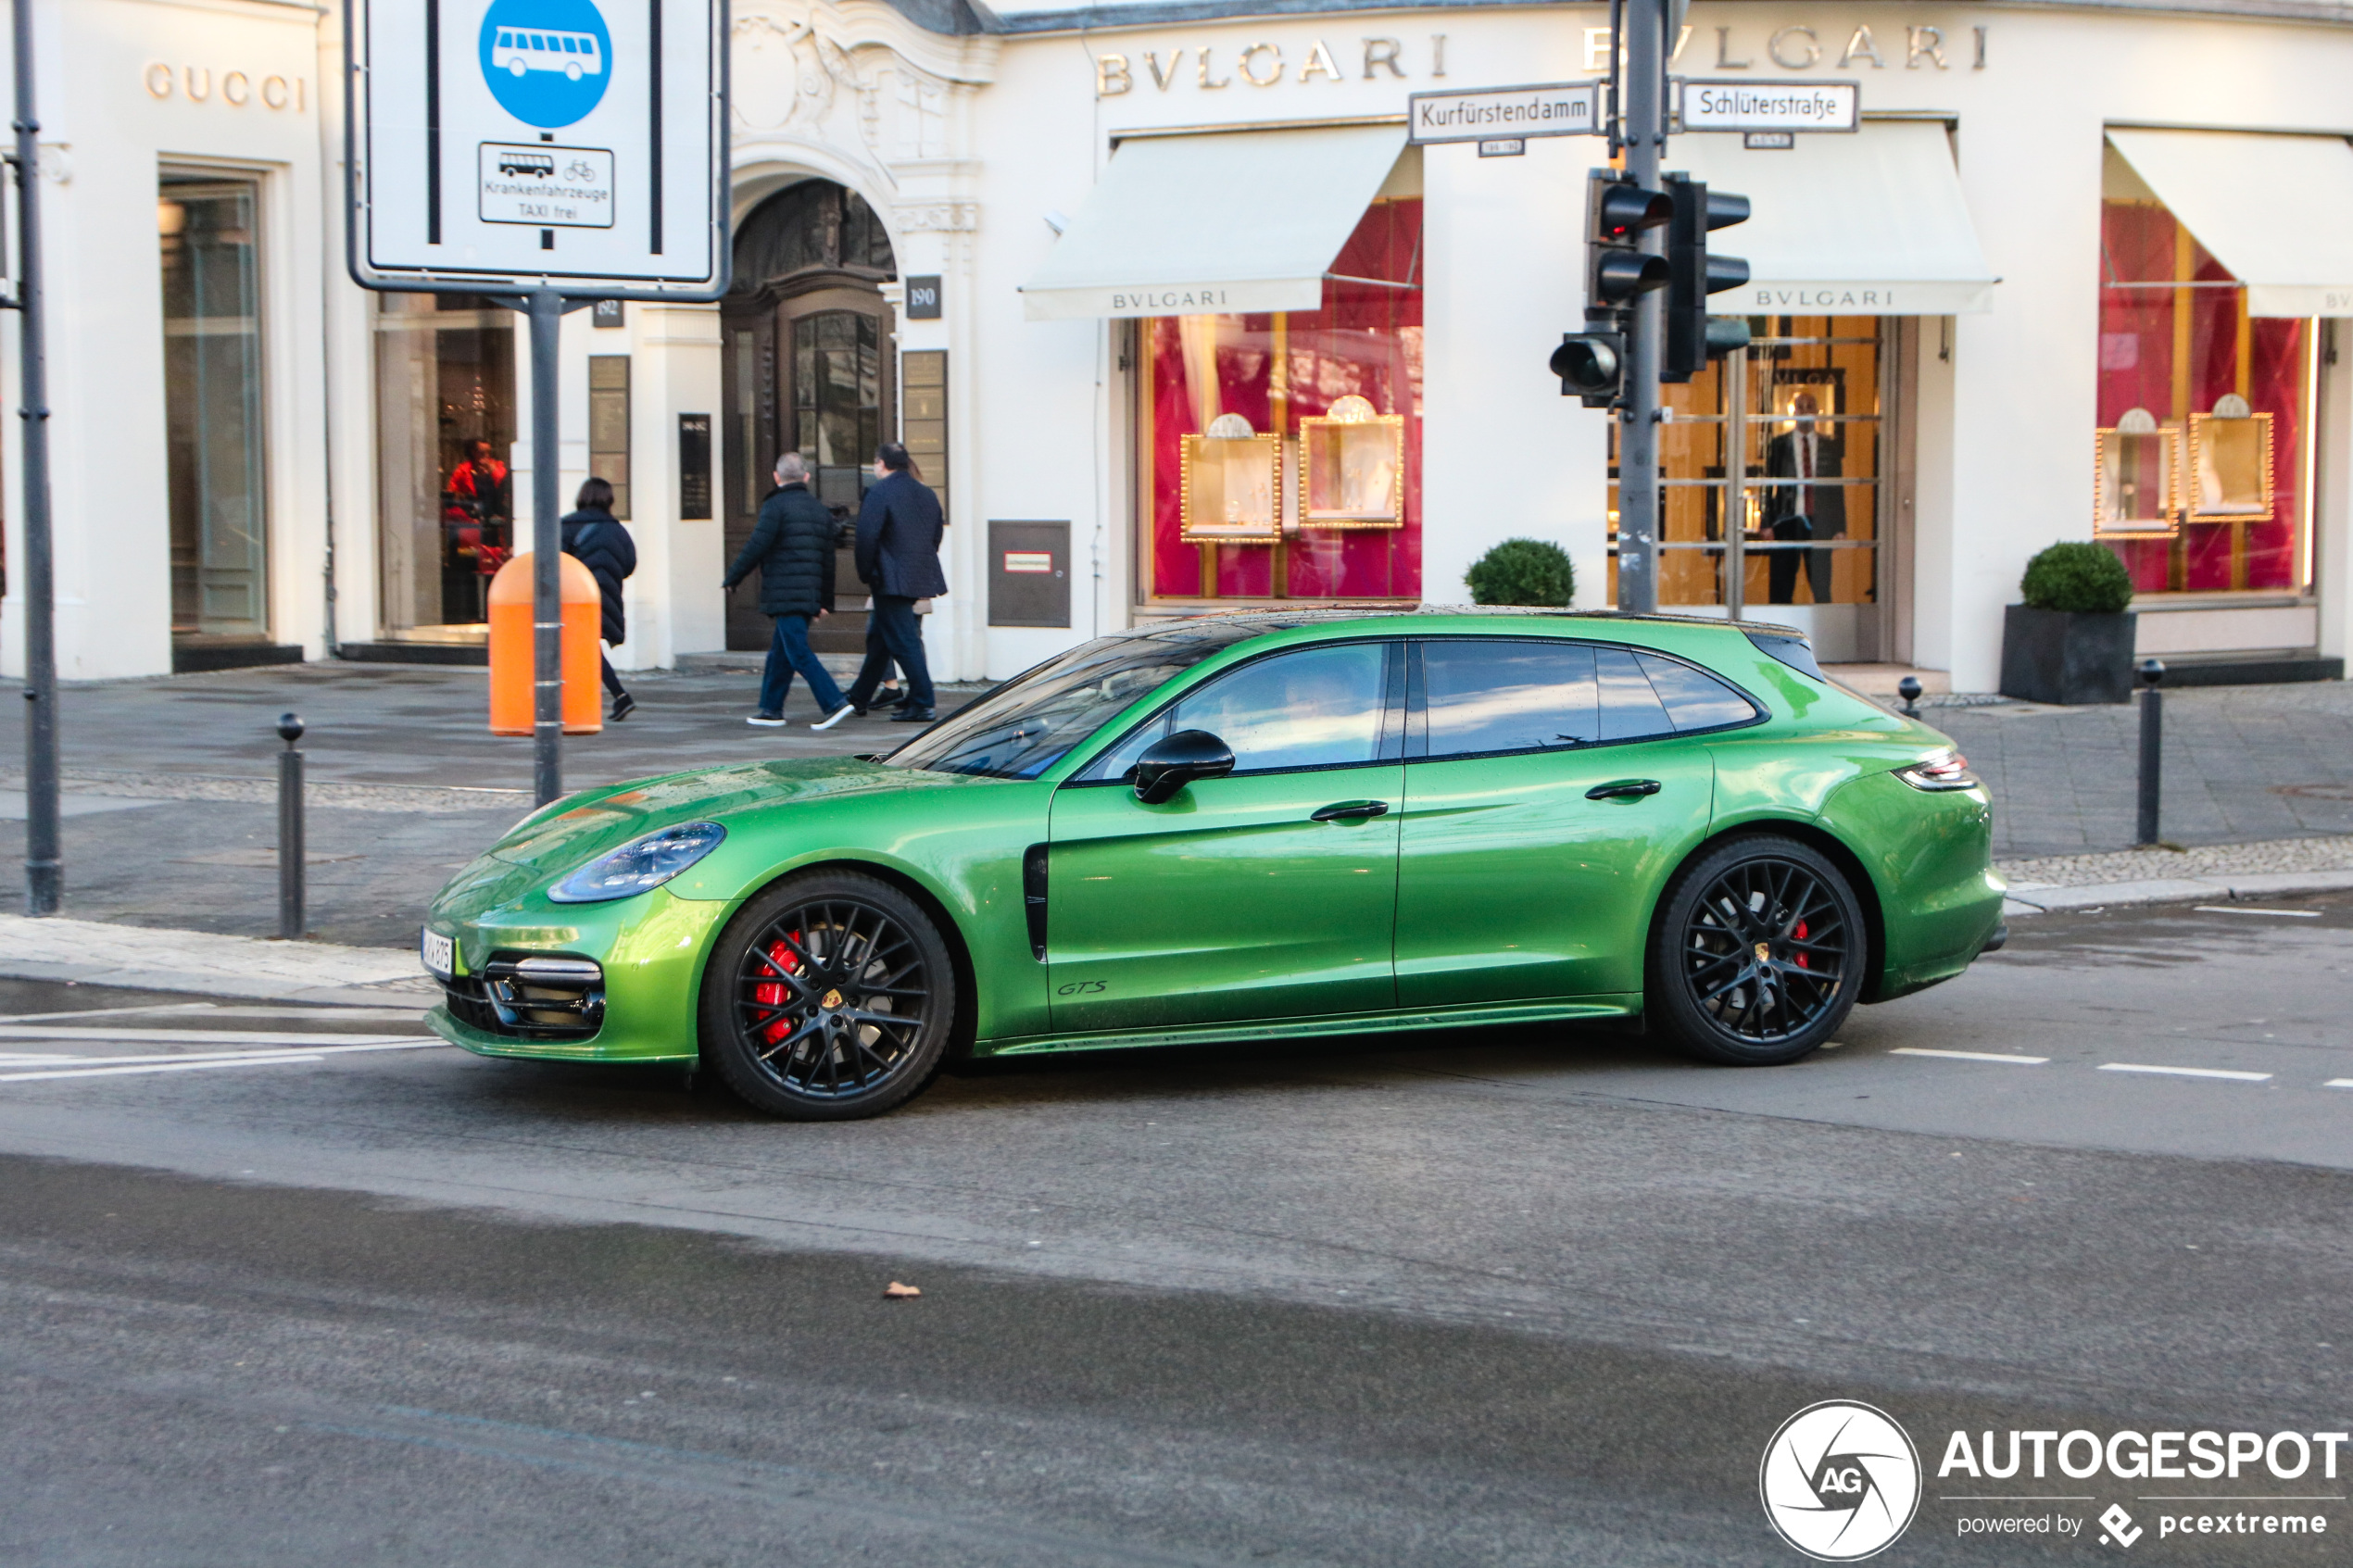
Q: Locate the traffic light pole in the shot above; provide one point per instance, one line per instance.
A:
(1644, 109)
(43, 859)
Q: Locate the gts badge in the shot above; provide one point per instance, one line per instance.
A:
(1080, 988)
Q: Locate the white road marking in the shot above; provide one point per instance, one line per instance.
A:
(1972, 1056)
(113, 1066)
(2230, 1073)
(195, 1037)
(2338, 1084)
(157, 1067)
(2242, 909)
(104, 1013)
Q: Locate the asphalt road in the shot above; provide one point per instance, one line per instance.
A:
(281, 1286)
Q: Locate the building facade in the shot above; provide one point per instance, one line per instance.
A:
(1177, 318)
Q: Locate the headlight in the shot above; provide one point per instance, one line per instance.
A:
(1946, 770)
(640, 864)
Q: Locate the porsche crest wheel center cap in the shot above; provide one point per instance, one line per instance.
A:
(1764, 955)
(831, 999)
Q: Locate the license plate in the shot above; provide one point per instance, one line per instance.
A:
(439, 952)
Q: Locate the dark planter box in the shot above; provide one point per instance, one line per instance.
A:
(2060, 655)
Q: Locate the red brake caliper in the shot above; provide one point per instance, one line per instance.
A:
(776, 993)
(1799, 935)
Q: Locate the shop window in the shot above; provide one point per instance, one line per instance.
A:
(1784, 438)
(2200, 477)
(212, 405)
(1279, 455)
(445, 431)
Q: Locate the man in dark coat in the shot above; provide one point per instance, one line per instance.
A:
(792, 546)
(899, 527)
(1798, 509)
(596, 539)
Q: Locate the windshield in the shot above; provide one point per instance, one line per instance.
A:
(1027, 726)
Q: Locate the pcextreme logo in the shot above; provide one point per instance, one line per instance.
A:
(1841, 1481)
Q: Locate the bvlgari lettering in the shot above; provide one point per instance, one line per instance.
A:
(1261, 63)
(1169, 302)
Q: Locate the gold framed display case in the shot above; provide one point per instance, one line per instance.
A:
(1232, 485)
(2230, 466)
(2137, 483)
(1351, 467)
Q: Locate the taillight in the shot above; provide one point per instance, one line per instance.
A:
(1946, 770)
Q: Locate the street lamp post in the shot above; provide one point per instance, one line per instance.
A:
(43, 856)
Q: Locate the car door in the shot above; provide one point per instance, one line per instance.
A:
(1548, 792)
(1267, 894)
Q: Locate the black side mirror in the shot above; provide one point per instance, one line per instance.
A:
(1174, 762)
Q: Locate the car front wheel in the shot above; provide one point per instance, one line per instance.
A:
(830, 996)
(1758, 954)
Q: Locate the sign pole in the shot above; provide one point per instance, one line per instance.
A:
(1638, 492)
(43, 859)
(545, 313)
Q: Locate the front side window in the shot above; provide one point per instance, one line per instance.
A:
(1029, 724)
(1485, 696)
(1314, 708)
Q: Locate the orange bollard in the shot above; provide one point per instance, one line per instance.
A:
(510, 648)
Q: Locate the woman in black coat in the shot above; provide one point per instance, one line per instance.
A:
(594, 538)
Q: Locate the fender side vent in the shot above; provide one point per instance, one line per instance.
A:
(1033, 898)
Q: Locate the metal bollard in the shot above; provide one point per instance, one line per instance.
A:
(290, 847)
(1908, 688)
(2152, 747)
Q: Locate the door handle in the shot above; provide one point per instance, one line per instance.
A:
(1622, 789)
(1351, 810)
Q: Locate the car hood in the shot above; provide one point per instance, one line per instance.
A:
(592, 824)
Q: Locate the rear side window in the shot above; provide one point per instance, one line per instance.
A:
(1479, 696)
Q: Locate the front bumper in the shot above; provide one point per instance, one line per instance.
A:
(614, 982)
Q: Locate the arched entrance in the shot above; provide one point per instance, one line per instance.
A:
(809, 369)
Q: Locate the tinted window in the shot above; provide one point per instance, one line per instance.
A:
(1694, 700)
(1630, 707)
(1318, 707)
(1483, 697)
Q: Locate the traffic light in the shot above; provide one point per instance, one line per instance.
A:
(1616, 212)
(1693, 336)
(1592, 364)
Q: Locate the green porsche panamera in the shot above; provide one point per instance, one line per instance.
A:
(1250, 827)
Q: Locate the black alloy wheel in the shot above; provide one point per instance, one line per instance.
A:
(1759, 952)
(830, 996)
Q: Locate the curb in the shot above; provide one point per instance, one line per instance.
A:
(144, 958)
(2173, 890)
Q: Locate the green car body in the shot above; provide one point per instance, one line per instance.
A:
(1499, 890)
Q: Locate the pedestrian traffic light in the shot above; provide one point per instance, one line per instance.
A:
(1692, 337)
(1592, 364)
(1617, 212)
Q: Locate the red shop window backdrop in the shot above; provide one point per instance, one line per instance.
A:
(2176, 351)
(1275, 370)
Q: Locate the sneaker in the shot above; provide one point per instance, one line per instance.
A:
(769, 721)
(890, 697)
(623, 707)
(835, 717)
(913, 716)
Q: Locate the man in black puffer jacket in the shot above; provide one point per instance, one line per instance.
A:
(596, 539)
(793, 547)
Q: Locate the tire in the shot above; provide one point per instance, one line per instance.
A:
(516, 68)
(571, 70)
(830, 996)
(1709, 986)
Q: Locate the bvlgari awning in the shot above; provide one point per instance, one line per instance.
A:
(2276, 210)
(1870, 222)
(1216, 224)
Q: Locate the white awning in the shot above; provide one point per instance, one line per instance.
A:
(2276, 210)
(1216, 224)
(1870, 222)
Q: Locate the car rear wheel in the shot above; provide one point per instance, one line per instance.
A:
(1758, 954)
(830, 996)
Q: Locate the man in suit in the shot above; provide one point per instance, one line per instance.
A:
(899, 527)
(1797, 508)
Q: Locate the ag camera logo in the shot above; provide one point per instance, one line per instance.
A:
(1841, 1481)
(548, 62)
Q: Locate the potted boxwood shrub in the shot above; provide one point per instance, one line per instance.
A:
(1523, 572)
(2072, 640)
